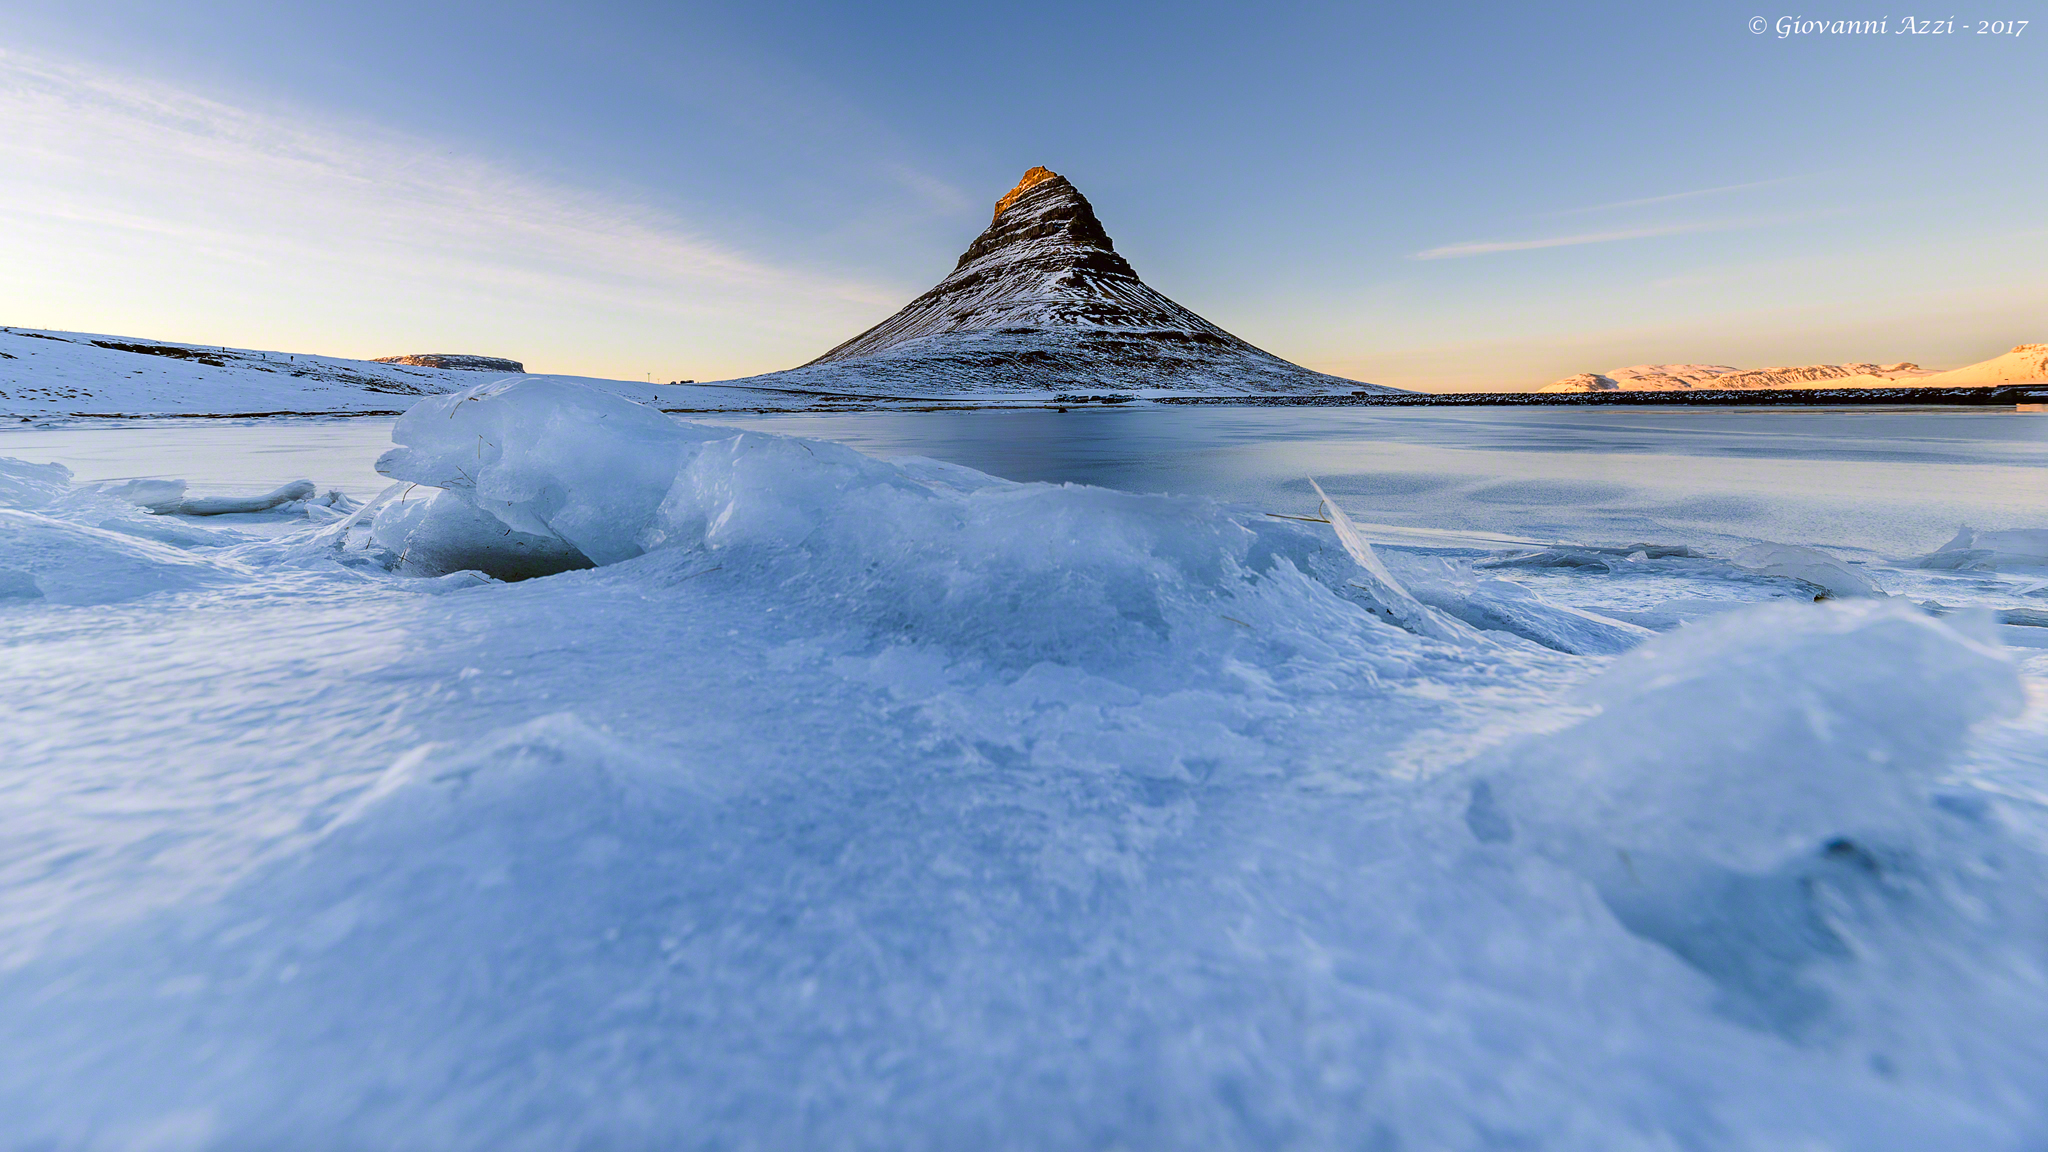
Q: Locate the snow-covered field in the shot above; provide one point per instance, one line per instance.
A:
(825, 801)
(49, 374)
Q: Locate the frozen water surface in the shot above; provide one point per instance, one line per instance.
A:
(833, 800)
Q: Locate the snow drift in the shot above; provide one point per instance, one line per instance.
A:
(1975, 549)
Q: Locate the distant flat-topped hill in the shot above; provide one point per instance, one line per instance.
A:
(1041, 303)
(456, 361)
(2025, 364)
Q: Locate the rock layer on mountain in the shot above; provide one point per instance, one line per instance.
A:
(1041, 302)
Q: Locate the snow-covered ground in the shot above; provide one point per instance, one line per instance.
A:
(46, 374)
(823, 801)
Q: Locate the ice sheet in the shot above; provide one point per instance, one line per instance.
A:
(858, 804)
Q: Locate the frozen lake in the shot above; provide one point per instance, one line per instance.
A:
(1622, 779)
(1878, 479)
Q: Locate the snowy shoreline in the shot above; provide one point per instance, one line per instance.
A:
(53, 376)
(1974, 397)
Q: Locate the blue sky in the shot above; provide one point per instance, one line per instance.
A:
(1427, 196)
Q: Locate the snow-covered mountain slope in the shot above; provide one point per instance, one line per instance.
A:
(56, 373)
(1721, 377)
(1826, 376)
(45, 374)
(2025, 364)
(1643, 378)
(1693, 374)
(1041, 303)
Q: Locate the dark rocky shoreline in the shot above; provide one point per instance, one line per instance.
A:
(2006, 394)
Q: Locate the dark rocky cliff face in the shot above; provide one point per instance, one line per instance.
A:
(1042, 302)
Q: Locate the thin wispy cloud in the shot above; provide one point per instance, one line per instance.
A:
(100, 170)
(1492, 247)
(931, 189)
(1672, 196)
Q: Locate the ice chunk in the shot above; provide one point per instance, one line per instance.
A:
(290, 493)
(1010, 572)
(1808, 566)
(1971, 549)
(542, 476)
(68, 563)
(747, 490)
(438, 533)
(26, 485)
(1751, 780)
(1669, 614)
(1745, 739)
(155, 495)
(548, 459)
(1505, 606)
(1394, 602)
(42, 486)
(1606, 559)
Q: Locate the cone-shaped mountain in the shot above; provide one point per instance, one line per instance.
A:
(1042, 302)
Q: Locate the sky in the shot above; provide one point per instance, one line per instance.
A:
(1431, 196)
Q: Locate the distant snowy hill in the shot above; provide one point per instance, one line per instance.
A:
(45, 373)
(1643, 377)
(1721, 377)
(2026, 364)
(1042, 304)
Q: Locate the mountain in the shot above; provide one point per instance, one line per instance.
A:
(1643, 378)
(1041, 303)
(2025, 364)
(1721, 377)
